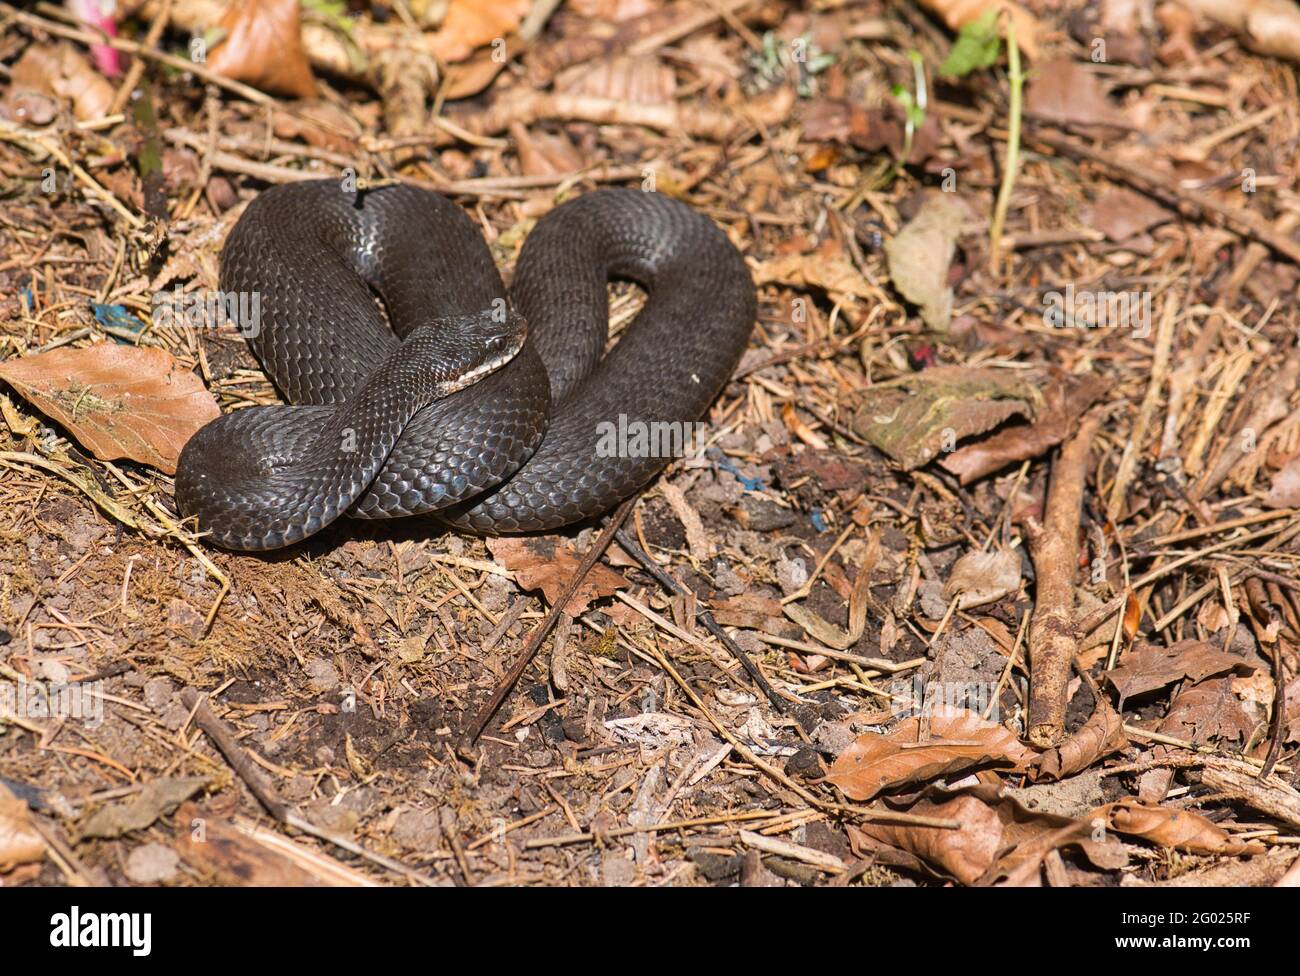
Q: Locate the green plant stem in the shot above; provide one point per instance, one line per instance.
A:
(1012, 164)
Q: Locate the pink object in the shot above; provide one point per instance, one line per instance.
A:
(101, 14)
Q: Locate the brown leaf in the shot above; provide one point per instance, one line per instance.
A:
(823, 270)
(1065, 398)
(156, 799)
(263, 47)
(547, 563)
(963, 854)
(1101, 735)
(919, 256)
(247, 855)
(1121, 214)
(642, 80)
(925, 413)
(1284, 492)
(959, 739)
(118, 401)
(1068, 92)
(20, 842)
(749, 611)
(1268, 26)
(1148, 667)
(1208, 711)
(46, 74)
(470, 24)
(983, 577)
(1179, 829)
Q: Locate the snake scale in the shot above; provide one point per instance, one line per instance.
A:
(417, 384)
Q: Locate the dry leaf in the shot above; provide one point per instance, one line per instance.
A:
(1179, 829)
(1284, 492)
(1209, 711)
(983, 577)
(547, 563)
(469, 24)
(46, 74)
(920, 253)
(156, 799)
(1065, 398)
(118, 401)
(1070, 93)
(964, 854)
(1121, 214)
(1101, 735)
(926, 413)
(824, 270)
(245, 854)
(959, 739)
(643, 80)
(262, 46)
(20, 842)
(1148, 667)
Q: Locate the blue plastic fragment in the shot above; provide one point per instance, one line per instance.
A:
(117, 317)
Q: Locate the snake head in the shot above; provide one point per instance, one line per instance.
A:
(465, 348)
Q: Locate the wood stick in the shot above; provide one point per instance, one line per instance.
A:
(1054, 548)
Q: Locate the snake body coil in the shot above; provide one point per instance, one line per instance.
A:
(446, 395)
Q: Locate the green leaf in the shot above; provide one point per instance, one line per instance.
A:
(977, 46)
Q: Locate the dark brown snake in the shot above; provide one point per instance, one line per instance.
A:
(384, 321)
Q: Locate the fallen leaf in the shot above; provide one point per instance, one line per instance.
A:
(547, 563)
(117, 401)
(1098, 737)
(748, 611)
(469, 24)
(1179, 829)
(154, 800)
(1065, 398)
(1207, 712)
(981, 577)
(964, 854)
(643, 80)
(920, 253)
(262, 45)
(1284, 491)
(46, 75)
(822, 270)
(20, 841)
(245, 854)
(923, 414)
(1148, 667)
(959, 739)
(1068, 92)
(1121, 214)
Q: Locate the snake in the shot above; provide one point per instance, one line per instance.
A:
(417, 384)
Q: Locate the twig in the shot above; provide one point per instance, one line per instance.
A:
(1012, 162)
(1242, 222)
(1054, 547)
(224, 739)
(634, 550)
(475, 729)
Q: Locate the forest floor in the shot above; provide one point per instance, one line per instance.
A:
(936, 462)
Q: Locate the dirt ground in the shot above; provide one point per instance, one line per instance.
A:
(918, 480)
